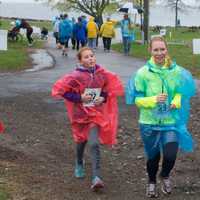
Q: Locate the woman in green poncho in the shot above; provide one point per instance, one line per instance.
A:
(159, 90)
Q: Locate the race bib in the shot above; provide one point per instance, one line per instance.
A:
(94, 93)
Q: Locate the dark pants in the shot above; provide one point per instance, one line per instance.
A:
(93, 142)
(169, 157)
(73, 40)
(126, 45)
(28, 35)
(78, 43)
(65, 43)
(107, 43)
(56, 35)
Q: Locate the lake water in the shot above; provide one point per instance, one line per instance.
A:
(158, 15)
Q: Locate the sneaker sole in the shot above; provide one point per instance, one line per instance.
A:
(152, 195)
(164, 192)
(97, 186)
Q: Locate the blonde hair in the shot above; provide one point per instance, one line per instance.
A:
(157, 38)
(80, 52)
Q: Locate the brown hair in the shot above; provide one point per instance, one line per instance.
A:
(79, 54)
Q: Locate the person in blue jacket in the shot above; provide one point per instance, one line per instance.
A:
(65, 33)
(127, 33)
(161, 90)
(80, 32)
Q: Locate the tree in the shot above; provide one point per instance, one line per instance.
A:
(93, 8)
(146, 21)
(96, 8)
(178, 6)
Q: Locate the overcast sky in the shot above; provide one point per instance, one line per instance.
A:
(31, 1)
(18, 1)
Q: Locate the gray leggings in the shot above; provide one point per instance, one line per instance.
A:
(94, 151)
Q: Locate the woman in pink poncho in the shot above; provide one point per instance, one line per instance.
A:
(90, 94)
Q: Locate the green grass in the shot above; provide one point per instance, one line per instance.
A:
(3, 194)
(181, 34)
(41, 24)
(5, 24)
(182, 54)
(16, 57)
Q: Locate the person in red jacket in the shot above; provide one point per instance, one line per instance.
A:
(90, 94)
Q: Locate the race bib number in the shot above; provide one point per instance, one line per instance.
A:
(94, 93)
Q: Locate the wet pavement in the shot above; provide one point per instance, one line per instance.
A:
(12, 84)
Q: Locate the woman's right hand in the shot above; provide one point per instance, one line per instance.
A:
(86, 98)
(161, 98)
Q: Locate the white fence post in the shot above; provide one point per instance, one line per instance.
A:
(4, 40)
(196, 46)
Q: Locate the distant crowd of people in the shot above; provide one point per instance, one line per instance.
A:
(83, 32)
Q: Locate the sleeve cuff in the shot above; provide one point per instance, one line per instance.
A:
(146, 102)
(177, 101)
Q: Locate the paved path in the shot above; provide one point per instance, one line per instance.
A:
(24, 82)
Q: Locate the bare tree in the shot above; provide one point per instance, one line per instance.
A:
(178, 6)
(93, 8)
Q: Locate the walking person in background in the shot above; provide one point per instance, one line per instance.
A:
(44, 33)
(65, 33)
(92, 32)
(97, 21)
(161, 90)
(56, 31)
(90, 94)
(73, 37)
(127, 33)
(107, 32)
(29, 30)
(80, 33)
(84, 21)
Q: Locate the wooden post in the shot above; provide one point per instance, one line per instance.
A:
(146, 21)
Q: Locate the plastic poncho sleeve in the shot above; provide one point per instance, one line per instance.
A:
(177, 100)
(146, 102)
(134, 88)
(63, 85)
(187, 89)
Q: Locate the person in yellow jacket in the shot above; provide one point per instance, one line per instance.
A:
(92, 33)
(107, 32)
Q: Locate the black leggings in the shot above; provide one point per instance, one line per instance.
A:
(169, 157)
(106, 43)
(78, 43)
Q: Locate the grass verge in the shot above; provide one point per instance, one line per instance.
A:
(16, 57)
(182, 54)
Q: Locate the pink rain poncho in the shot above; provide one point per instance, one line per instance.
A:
(83, 118)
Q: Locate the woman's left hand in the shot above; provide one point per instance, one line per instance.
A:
(172, 106)
(99, 101)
